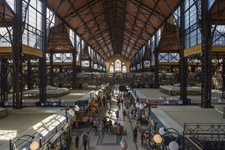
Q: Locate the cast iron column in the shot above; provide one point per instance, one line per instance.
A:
(81, 54)
(17, 57)
(90, 62)
(42, 61)
(74, 63)
(206, 56)
(4, 85)
(51, 69)
(74, 74)
(29, 83)
(156, 81)
(223, 77)
(183, 60)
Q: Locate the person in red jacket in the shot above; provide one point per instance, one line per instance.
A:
(142, 138)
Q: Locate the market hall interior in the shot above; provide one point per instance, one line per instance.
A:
(68, 66)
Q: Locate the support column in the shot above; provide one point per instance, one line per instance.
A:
(183, 60)
(4, 85)
(206, 79)
(156, 81)
(81, 54)
(74, 75)
(90, 62)
(74, 63)
(42, 61)
(17, 57)
(29, 83)
(51, 69)
(223, 77)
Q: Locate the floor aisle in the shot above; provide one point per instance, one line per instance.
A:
(109, 141)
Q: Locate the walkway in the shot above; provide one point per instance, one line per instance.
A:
(110, 141)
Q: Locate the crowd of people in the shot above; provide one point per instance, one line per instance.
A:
(126, 108)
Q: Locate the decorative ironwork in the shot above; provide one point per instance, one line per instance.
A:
(204, 136)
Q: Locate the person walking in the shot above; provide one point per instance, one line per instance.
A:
(85, 140)
(138, 124)
(123, 144)
(77, 142)
(95, 124)
(142, 138)
(117, 115)
(124, 114)
(89, 140)
(135, 135)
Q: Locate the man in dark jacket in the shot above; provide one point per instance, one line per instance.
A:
(135, 134)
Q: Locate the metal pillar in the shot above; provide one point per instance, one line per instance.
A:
(42, 61)
(156, 81)
(17, 57)
(81, 54)
(4, 85)
(90, 62)
(206, 79)
(51, 69)
(183, 61)
(223, 77)
(29, 83)
(74, 63)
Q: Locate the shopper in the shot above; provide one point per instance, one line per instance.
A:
(142, 138)
(85, 140)
(135, 134)
(138, 124)
(77, 142)
(124, 114)
(123, 144)
(95, 124)
(117, 115)
(88, 140)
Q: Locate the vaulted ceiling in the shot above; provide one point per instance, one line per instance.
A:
(6, 14)
(114, 27)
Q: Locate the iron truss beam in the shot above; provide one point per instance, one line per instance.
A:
(149, 16)
(73, 14)
(132, 30)
(106, 44)
(148, 20)
(86, 27)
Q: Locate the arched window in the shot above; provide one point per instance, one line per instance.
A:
(124, 69)
(117, 65)
(111, 69)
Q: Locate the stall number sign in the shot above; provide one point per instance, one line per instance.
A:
(59, 127)
(48, 136)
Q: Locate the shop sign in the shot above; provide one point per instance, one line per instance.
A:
(66, 126)
(67, 103)
(48, 136)
(59, 127)
(163, 102)
(56, 136)
(146, 63)
(26, 104)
